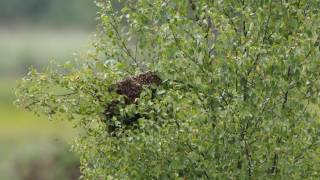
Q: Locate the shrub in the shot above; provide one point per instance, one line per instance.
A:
(237, 97)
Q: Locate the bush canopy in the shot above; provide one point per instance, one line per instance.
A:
(205, 89)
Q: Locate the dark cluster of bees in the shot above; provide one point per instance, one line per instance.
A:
(130, 88)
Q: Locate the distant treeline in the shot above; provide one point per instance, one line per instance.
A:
(50, 12)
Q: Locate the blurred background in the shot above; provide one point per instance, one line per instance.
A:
(33, 32)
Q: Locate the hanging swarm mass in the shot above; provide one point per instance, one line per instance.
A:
(131, 89)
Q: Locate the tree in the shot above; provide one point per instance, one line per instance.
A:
(238, 96)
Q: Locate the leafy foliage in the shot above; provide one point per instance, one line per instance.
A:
(238, 96)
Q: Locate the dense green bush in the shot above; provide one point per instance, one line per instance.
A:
(238, 96)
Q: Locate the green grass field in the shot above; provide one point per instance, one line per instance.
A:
(19, 123)
(22, 47)
(24, 136)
